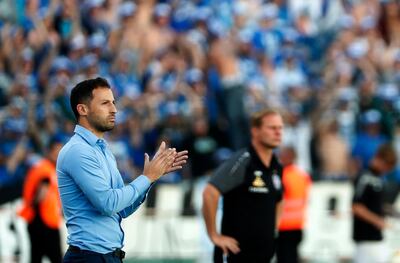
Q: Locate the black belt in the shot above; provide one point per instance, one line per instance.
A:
(119, 253)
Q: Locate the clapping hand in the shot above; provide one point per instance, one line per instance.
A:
(164, 161)
(179, 161)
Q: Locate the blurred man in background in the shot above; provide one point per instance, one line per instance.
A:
(296, 185)
(250, 183)
(368, 207)
(42, 208)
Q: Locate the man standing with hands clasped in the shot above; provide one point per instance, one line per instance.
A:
(250, 183)
(93, 196)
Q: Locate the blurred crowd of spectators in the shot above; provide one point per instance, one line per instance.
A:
(190, 72)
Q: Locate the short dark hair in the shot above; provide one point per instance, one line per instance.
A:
(53, 141)
(387, 153)
(256, 117)
(83, 92)
(291, 150)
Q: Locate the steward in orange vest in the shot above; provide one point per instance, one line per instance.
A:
(296, 185)
(41, 207)
(36, 200)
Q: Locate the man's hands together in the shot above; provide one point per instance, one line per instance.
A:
(164, 161)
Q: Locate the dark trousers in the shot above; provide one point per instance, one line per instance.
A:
(288, 243)
(85, 256)
(44, 242)
(244, 256)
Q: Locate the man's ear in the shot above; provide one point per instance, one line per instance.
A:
(82, 109)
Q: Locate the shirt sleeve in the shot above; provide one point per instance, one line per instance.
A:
(88, 175)
(361, 187)
(139, 183)
(231, 173)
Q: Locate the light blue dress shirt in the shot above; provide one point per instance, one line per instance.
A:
(93, 196)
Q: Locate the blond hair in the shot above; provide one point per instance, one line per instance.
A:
(256, 117)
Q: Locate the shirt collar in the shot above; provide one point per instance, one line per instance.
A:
(87, 135)
(274, 160)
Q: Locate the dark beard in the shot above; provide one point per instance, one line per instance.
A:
(103, 128)
(99, 126)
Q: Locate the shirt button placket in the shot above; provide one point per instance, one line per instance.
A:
(102, 146)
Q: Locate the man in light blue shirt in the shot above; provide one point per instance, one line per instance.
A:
(93, 195)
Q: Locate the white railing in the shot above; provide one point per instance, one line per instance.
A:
(166, 234)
